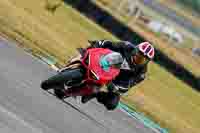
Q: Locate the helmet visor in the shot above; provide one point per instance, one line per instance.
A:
(140, 59)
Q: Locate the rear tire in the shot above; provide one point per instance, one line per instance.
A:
(60, 78)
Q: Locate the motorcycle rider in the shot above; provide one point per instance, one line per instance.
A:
(132, 71)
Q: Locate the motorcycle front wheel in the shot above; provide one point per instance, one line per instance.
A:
(61, 78)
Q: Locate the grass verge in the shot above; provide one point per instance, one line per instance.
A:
(163, 97)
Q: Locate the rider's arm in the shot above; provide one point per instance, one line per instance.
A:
(141, 74)
(132, 82)
(124, 85)
(138, 77)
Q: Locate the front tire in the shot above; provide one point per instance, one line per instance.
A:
(62, 77)
(59, 93)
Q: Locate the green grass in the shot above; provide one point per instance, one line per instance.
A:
(161, 96)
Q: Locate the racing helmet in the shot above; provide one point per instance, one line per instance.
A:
(144, 52)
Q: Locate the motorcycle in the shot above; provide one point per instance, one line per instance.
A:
(95, 68)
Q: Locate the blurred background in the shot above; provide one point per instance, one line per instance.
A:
(177, 21)
(53, 29)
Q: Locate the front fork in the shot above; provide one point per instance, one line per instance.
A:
(78, 91)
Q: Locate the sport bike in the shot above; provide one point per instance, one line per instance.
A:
(95, 68)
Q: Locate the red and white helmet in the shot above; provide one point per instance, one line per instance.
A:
(147, 49)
